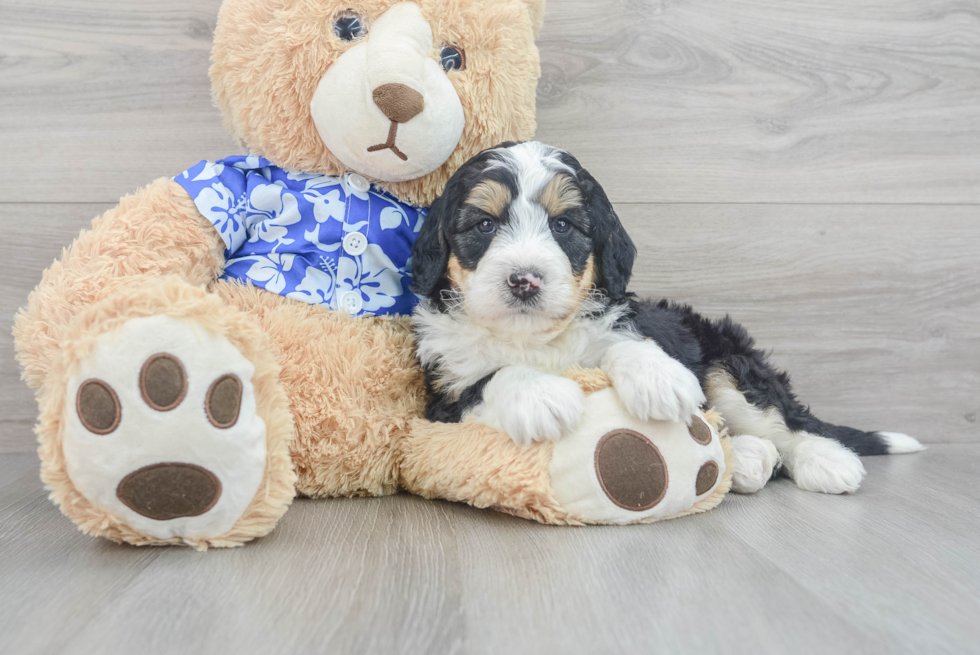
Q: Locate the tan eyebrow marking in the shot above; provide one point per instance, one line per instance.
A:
(560, 195)
(490, 196)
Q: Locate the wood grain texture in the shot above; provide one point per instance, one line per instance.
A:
(667, 101)
(890, 569)
(764, 101)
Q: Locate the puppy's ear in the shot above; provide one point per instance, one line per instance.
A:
(430, 253)
(614, 250)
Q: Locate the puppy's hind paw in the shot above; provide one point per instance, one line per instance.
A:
(755, 463)
(824, 465)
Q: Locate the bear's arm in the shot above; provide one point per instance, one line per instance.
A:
(155, 232)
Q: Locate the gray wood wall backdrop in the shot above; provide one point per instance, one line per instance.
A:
(812, 168)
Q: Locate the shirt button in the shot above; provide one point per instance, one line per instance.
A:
(358, 183)
(351, 301)
(355, 244)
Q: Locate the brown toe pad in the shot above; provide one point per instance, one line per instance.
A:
(98, 407)
(706, 479)
(700, 431)
(224, 401)
(163, 382)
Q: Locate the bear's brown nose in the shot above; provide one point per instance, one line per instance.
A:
(169, 491)
(399, 103)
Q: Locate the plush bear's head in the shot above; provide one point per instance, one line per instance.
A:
(401, 92)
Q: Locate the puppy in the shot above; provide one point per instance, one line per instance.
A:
(523, 266)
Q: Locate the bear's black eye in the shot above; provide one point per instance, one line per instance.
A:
(486, 226)
(452, 58)
(561, 226)
(349, 25)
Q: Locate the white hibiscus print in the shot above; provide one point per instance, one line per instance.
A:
(219, 205)
(374, 276)
(271, 211)
(268, 271)
(329, 205)
(317, 287)
(210, 171)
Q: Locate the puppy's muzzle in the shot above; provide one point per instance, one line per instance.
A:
(524, 285)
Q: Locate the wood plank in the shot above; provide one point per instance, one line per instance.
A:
(764, 101)
(888, 569)
(873, 309)
(116, 91)
(38, 233)
(760, 101)
(898, 555)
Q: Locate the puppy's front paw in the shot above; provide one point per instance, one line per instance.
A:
(531, 406)
(652, 384)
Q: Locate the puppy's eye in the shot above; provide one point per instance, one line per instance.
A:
(349, 25)
(452, 58)
(561, 226)
(486, 226)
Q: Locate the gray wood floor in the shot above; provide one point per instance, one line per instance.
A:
(811, 168)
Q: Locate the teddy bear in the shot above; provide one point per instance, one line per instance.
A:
(237, 335)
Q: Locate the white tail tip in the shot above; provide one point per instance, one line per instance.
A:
(898, 443)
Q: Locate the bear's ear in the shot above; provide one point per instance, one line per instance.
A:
(535, 8)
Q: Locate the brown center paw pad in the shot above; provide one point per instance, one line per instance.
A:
(700, 431)
(224, 401)
(98, 407)
(169, 491)
(631, 470)
(163, 382)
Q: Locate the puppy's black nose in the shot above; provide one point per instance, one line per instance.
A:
(524, 285)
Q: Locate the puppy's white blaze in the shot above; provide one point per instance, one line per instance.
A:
(815, 463)
(898, 443)
(465, 352)
(530, 406)
(524, 242)
(534, 163)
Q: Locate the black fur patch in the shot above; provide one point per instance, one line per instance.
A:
(702, 344)
(613, 248)
(442, 409)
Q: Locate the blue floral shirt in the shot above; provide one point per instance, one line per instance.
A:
(333, 241)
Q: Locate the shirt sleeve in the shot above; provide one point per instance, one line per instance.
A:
(219, 191)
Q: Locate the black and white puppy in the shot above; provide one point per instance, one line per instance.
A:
(524, 265)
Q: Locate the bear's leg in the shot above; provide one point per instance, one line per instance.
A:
(163, 420)
(612, 468)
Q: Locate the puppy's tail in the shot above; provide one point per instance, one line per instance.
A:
(866, 443)
(756, 398)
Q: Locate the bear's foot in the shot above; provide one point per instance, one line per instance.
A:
(168, 426)
(164, 431)
(614, 468)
